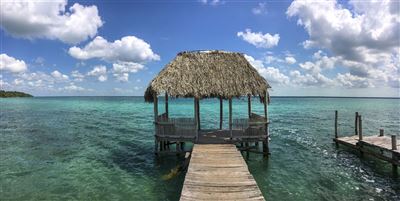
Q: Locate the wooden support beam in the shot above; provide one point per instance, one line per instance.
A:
(196, 115)
(156, 142)
(221, 110)
(336, 124)
(249, 105)
(360, 134)
(381, 132)
(356, 124)
(394, 147)
(266, 106)
(230, 117)
(155, 107)
(166, 105)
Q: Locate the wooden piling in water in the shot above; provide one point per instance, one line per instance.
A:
(360, 136)
(220, 112)
(381, 132)
(336, 124)
(356, 124)
(394, 147)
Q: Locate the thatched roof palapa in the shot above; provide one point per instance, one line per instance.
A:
(208, 74)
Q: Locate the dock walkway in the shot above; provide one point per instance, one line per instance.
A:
(378, 146)
(219, 172)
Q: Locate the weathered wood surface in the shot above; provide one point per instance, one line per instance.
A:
(218, 172)
(377, 141)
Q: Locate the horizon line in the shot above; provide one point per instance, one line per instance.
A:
(288, 96)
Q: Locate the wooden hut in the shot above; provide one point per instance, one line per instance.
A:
(209, 74)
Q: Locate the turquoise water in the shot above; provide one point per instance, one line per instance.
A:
(101, 148)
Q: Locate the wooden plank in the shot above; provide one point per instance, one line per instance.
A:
(218, 172)
(377, 146)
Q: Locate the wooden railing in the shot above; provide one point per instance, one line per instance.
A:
(176, 127)
(255, 126)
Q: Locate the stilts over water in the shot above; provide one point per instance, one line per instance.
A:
(216, 170)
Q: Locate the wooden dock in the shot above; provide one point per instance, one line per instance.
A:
(386, 148)
(378, 146)
(219, 172)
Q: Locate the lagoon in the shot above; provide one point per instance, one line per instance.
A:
(101, 148)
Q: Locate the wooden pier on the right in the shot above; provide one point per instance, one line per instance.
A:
(386, 148)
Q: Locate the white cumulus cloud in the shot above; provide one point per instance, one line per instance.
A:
(290, 60)
(362, 36)
(59, 76)
(271, 74)
(11, 64)
(259, 39)
(78, 77)
(50, 20)
(100, 72)
(128, 49)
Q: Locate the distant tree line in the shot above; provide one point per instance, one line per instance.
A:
(9, 94)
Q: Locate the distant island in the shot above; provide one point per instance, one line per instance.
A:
(10, 94)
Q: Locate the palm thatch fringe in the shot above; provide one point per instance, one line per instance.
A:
(208, 74)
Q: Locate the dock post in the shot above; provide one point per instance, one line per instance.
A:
(394, 147)
(336, 124)
(220, 112)
(336, 129)
(394, 142)
(356, 124)
(381, 133)
(155, 124)
(247, 149)
(230, 118)
(360, 136)
(265, 142)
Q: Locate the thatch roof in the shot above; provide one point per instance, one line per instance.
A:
(204, 74)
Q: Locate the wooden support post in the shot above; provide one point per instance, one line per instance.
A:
(381, 133)
(155, 107)
(247, 149)
(394, 147)
(265, 148)
(166, 105)
(360, 134)
(230, 117)
(336, 124)
(196, 115)
(221, 110)
(266, 106)
(249, 105)
(177, 147)
(155, 146)
(155, 123)
(356, 124)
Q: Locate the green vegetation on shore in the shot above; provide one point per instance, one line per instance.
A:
(10, 94)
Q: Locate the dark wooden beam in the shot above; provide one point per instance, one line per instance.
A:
(197, 113)
(221, 110)
(266, 106)
(249, 105)
(230, 116)
(155, 107)
(166, 105)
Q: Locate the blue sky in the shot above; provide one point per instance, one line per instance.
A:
(328, 48)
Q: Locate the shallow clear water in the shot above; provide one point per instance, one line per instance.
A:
(101, 148)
